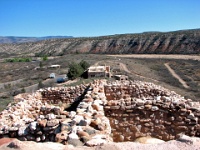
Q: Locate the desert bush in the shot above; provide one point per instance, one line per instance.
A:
(84, 64)
(40, 85)
(76, 70)
(7, 86)
(23, 90)
(44, 58)
(18, 60)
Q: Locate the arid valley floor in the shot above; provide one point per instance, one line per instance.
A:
(20, 77)
(179, 73)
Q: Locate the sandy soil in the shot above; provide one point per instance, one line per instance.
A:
(184, 57)
(171, 145)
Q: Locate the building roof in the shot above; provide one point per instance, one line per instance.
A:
(97, 69)
(54, 66)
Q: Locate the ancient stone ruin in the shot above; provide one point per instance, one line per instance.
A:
(99, 112)
(137, 109)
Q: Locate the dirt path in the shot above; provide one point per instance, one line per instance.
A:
(68, 82)
(184, 57)
(11, 83)
(124, 67)
(176, 76)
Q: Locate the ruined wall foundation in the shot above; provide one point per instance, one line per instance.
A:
(100, 112)
(138, 109)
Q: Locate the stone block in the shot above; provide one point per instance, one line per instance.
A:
(182, 128)
(62, 136)
(42, 122)
(33, 125)
(52, 123)
(154, 108)
(144, 120)
(82, 134)
(129, 111)
(23, 131)
(148, 107)
(114, 107)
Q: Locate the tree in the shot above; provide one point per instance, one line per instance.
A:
(75, 70)
(44, 58)
(23, 90)
(40, 85)
(84, 64)
(41, 65)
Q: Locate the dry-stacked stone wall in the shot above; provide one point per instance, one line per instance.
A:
(104, 111)
(138, 109)
(35, 117)
(59, 95)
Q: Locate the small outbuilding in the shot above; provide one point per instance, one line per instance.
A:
(54, 66)
(121, 77)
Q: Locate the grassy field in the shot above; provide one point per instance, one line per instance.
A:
(15, 77)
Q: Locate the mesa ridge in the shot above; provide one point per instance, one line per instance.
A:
(175, 42)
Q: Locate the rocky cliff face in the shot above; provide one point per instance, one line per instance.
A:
(178, 42)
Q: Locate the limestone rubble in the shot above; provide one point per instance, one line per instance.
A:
(100, 112)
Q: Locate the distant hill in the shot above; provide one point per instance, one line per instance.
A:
(15, 39)
(176, 42)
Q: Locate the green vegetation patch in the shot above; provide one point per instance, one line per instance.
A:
(18, 60)
(77, 69)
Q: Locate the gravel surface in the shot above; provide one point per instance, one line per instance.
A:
(171, 145)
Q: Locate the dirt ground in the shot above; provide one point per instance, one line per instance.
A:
(184, 57)
(171, 145)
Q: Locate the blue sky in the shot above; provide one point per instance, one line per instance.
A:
(96, 17)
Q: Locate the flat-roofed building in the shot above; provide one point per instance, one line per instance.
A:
(121, 77)
(98, 71)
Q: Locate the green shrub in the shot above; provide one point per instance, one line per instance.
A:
(41, 65)
(84, 64)
(40, 85)
(75, 70)
(44, 58)
(18, 60)
(23, 90)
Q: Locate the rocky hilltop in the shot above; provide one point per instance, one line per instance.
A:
(99, 113)
(16, 39)
(177, 42)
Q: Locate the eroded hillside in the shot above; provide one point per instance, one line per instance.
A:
(178, 42)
